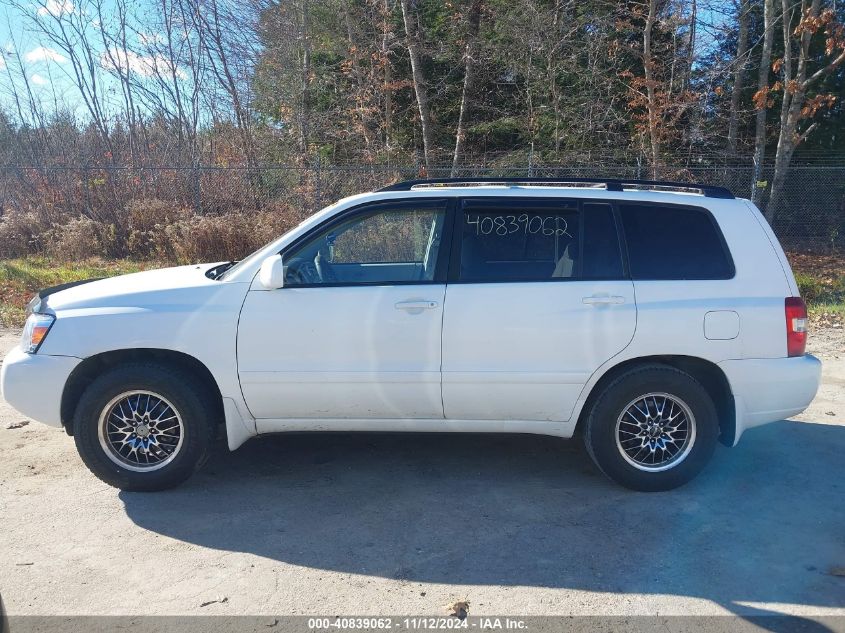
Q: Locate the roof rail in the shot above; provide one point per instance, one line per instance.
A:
(610, 184)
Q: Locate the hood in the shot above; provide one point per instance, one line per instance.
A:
(136, 289)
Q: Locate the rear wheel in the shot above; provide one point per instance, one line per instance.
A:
(144, 426)
(652, 428)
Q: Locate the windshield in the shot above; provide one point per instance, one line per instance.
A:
(246, 261)
(261, 253)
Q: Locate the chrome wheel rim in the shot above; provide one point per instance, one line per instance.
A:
(141, 431)
(655, 432)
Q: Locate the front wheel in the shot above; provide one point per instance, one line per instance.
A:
(144, 426)
(652, 428)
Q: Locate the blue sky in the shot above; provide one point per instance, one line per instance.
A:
(46, 66)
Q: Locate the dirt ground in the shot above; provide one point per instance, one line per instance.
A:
(405, 524)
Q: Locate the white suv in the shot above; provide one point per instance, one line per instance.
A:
(653, 319)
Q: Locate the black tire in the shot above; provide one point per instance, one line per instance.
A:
(600, 433)
(181, 390)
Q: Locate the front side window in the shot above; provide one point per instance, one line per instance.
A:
(527, 240)
(395, 245)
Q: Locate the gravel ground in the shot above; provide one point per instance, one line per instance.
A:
(406, 524)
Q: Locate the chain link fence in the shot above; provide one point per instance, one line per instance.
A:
(813, 216)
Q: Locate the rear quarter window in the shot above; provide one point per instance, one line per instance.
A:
(668, 242)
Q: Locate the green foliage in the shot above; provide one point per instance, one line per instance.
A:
(822, 293)
(811, 288)
(34, 273)
(21, 278)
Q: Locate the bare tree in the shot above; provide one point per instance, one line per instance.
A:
(28, 109)
(362, 82)
(71, 33)
(305, 82)
(387, 84)
(740, 63)
(761, 98)
(651, 96)
(115, 57)
(168, 71)
(796, 83)
(414, 45)
(214, 24)
(473, 25)
(658, 99)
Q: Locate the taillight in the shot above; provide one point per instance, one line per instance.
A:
(796, 326)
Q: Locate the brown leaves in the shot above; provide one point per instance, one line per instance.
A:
(835, 37)
(812, 23)
(826, 319)
(761, 98)
(777, 65)
(833, 29)
(812, 106)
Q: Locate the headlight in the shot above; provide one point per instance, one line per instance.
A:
(35, 331)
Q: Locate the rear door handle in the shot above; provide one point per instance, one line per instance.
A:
(412, 306)
(603, 300)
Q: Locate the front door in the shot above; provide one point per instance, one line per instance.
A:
(537, 300)
(356, 330)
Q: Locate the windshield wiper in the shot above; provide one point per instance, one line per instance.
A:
(217, 271)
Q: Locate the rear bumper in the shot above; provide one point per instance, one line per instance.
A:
(771, 389)
(33, 384)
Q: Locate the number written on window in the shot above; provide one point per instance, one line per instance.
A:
(523, 223)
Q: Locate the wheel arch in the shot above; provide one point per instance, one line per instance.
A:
(708, 373)
(93, 366)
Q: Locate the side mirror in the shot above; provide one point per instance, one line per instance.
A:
(272, 273)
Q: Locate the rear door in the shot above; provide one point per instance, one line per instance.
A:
(537, 300)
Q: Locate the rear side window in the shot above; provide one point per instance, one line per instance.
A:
(667, 242)
(531, 240)
(601, 256)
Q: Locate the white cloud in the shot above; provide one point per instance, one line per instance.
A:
(55, 8)
(144, 65)
(44, 54)
(2, 61)
(38, 80)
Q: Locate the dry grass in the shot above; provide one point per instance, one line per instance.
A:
(42, 247)
(147, 229)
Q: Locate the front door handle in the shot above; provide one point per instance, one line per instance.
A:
(416, 306)
(603, 300)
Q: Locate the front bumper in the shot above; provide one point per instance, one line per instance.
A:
(771, 389)
(33, 384)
